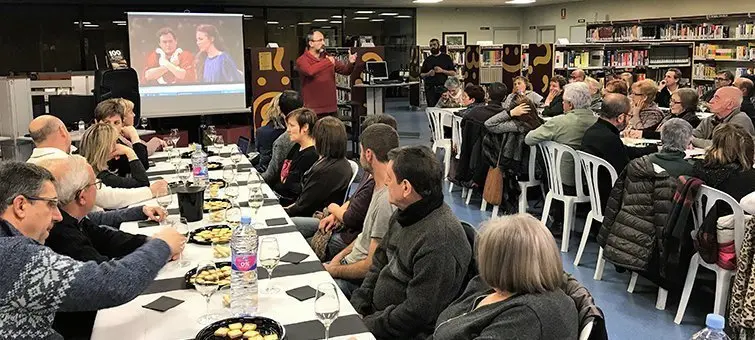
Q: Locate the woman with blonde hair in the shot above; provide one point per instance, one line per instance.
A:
(645, 114)
(518, 291)
(522, 86)
(99, 145)
(129, 116)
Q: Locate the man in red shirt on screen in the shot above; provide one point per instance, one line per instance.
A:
(169, 64)
(318, 70)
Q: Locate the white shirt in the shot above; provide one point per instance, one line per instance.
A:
(107, 197)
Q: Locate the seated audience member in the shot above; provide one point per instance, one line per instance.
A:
(110, 111)
(497, 93)
(577, 75)
(522, 86)
(727, 165)
(420, 265)
(645, 115)
(746, 86)
(668, 86)
(350, 266)
(328, 178)
(568, 129)
(287, 182)
(520, 117)
(683, 105)
(616, 86)
(88, 236)
(602, 140)
(99, 145)
(725, 106)
(676, 136)
(472, 98)
(723, 79)
(453, 95)
(267, 135)
(629, 79)
(596, 90)
(154, 143)
(53, 282)
(554, 102)
(346, 220)
(281, 146)
(518, 293)
(52, 141)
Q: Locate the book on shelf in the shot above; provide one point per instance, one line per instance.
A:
(671, 31)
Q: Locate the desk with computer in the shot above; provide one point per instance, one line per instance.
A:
(378, 80)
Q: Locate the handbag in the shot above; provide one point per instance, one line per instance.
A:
(319, 241)
(493, 191)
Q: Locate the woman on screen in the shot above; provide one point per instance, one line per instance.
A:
(213, 64)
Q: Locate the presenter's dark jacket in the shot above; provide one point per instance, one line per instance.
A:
(318, 81)
(91, 239)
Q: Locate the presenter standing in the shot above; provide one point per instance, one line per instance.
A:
(317, 70)
(169, 64)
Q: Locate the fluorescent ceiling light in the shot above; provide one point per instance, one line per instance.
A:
(519, 2)
(92, 26)
(305, 23)
(404, 17)
(272, 22)
(122, 24)
(325, 27)
(364, 12)
(361, 18)
(427, 1)
(389, 14)
(118, 22)
(248, 16)
(337, 16)
(376, 20)
(336, 21)
(320, 20)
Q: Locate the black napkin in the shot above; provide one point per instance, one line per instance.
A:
(302, 293)
(293, 257)
(146, 224)
(163, 304)
(276, 221)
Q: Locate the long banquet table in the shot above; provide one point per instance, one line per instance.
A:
(132, 321)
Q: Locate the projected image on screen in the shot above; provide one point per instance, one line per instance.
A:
(188, 63)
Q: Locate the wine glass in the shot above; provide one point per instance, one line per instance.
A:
(233, 214)
(269, 254)
(184, 173)
(235, 155)
(219, 143)
(175, 159)
(175, 136)
(164, 199)
(255, 198)
(144, 121)
(206, 289)
(182, 227)
(210, 132)
(168, 144)
(229, 173)
(232, 190)
(327, 306)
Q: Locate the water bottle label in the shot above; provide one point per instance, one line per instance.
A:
(200, 171)
(244, 263)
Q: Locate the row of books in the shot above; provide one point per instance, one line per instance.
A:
(601, 58)
(491, 58)
(693, 31)
(714, 51)
(671, 31)
(703, 71)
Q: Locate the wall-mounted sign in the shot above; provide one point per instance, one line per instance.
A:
(485, 28)
(581, 21)
(533, 27)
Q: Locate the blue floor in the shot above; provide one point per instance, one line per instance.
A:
(628, 316)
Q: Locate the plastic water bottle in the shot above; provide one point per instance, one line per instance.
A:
(82, 126)
(244, 299)
(199, 166)
(714, 329)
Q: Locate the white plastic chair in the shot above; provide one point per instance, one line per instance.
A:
(591, 164)
(354, 172)
(435, 116)
(586, 331)
(553, 153)
(723, 276)
(456, 141)
(529, 183)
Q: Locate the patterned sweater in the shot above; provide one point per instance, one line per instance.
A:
(36, 282)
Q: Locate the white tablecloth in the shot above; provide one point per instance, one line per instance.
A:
(132, 321)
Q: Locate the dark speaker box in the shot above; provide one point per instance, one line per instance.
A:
(121, 83)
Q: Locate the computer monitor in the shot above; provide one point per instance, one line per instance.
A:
(72, 108)
(379, 69)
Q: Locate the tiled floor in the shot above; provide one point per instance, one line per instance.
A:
(628, 316)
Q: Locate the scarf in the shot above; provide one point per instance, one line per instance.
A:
(418, 210)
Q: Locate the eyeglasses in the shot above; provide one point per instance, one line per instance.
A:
(672, 102)
(720, 79)
(97, 184)
(52, 202)
(316, 40)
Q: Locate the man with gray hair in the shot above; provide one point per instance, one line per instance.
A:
(88, 236)
(676, 136)
(38, 282)
(603, 140)
(52, 140)
(725, 106)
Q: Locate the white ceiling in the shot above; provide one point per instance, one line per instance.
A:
(405, 3)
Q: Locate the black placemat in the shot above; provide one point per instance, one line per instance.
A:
(314, 330)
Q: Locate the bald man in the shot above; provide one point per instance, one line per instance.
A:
(317, 70)
(725, 105)
(577, 75)
(746, 86)
(52, 141)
